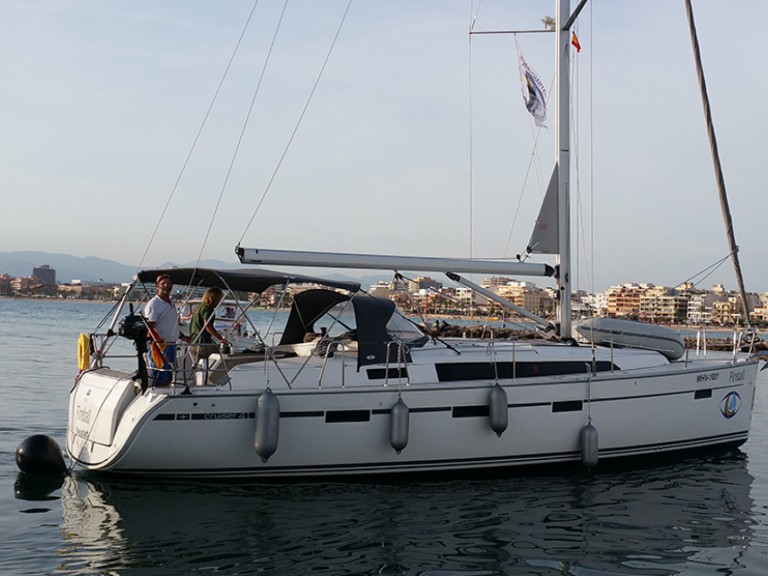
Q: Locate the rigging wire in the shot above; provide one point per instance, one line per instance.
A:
(591, 157)
(534, 159)
(586, 249)
(709, 270)
(533, 162)
(298, 122)
(473, 19)
(197, 136)
(574, 109)
(242, 133)
(474, 11)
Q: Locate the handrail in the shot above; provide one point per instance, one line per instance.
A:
(330, 349)
(402, 352)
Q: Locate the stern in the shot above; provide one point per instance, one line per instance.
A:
(96, 406)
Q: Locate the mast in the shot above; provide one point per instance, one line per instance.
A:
(563, 22)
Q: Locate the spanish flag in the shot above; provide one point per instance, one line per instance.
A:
(158, 357)
(575, 42)
(157, 348)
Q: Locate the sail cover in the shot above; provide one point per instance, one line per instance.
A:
(545, 232)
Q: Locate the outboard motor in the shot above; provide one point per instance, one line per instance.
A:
(133, 327)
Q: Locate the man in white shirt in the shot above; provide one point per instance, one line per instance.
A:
(163, 321)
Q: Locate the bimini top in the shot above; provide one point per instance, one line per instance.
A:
(246, 280)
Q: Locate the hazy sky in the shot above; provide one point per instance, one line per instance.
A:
(100, 103)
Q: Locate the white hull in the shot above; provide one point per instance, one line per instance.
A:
(350, 386)
(327, 429)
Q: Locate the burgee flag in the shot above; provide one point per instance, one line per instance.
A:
(534, 94)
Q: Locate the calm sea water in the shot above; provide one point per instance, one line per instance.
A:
(696, 516)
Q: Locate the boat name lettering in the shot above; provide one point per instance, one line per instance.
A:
(708, 377)
(226, 416)
(738, 375)
(84, 415)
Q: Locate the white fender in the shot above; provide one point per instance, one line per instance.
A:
(589, 447)
(498, 411)
(399, 416)
(267, 424)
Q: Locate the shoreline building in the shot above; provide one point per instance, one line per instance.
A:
(44, 280)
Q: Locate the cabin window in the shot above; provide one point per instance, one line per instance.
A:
(568, 406)
(485, 371)
(348, 416)
(338, 321)
(470, 411)
(382, 373)
(402, 330)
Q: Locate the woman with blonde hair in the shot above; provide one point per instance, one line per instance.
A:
(201, 326)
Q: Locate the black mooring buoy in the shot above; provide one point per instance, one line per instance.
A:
(40, 454)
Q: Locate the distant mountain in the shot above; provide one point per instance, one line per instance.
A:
(67, 267)
(367, 281)
(92, 269)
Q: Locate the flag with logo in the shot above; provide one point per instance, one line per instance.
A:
(534, 94)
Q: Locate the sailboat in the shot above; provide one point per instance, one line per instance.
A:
(351, 386)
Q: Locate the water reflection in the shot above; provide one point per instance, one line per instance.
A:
(37, 487)
(660, 521)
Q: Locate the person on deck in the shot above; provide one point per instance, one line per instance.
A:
(201, 326)
(162, 318)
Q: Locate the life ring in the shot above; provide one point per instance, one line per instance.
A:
(83, 351)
